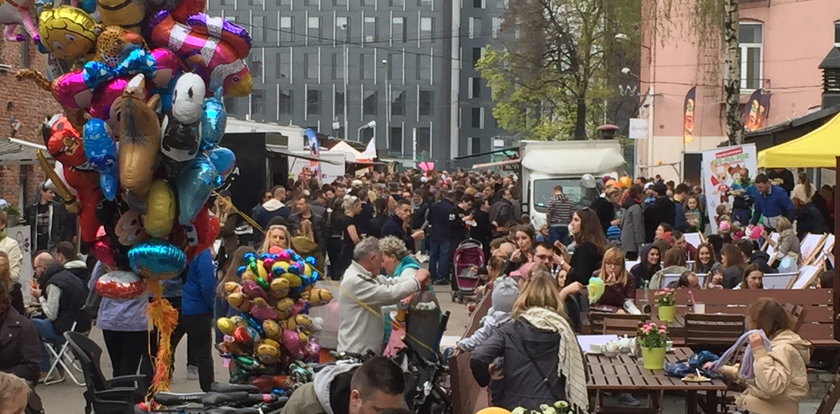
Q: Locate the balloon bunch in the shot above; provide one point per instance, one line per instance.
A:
(270, 337)
(137, 149)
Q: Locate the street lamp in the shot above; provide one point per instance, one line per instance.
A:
(371, 124)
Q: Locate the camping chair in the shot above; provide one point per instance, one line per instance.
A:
(779, 280)
(103, 395)
(61, 357)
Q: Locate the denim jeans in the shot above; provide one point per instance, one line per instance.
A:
(560, 233)
(440, 259)
(47, 333)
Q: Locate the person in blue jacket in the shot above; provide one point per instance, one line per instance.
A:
(196, 317)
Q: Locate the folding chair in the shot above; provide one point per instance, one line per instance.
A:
(63, 358)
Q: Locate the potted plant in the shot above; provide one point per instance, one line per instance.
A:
(653, 339)
(559, 407)
(12, 215)
(665, 304)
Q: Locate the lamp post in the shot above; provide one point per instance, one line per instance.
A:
(371, 124)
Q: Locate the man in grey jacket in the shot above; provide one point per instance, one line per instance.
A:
(364, 292)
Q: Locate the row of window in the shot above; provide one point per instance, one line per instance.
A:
(423, 137)
(362, 65)
(344, 31)
(326, 3)
(315, 102)
(474, 27)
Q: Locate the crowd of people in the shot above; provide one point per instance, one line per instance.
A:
(372, 233)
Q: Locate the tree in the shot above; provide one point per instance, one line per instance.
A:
(551, 81)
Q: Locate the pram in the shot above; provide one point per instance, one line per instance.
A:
(469, 254)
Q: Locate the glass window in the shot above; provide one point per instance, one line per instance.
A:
(370, 29)
(398, 103)
(283, 65)
(750, 41)
(475, 145)
(426, 24)
(287, 29)
(395, 66)
(257, 3)
(366, 66)
(258, 104)
(424, 142)
(313, 102)
(497, 27)
(255, 66)
(396, 140)
(425, 3)
(836, 33)
(571, 188)
(258, 29)
(398, 29)
(285, 102)
(424, 67)
(228, 2)
(311, 62)
(340, 2)
(478, 4)
(339, 103)
(368, 2)
(475, 27)
(313, 29)
(477, 118)
(424, 106)
(474, 85)
(285, 2)
(313, 2)
(230, 105)
(338, 64)
(476, 55)
(369, 103)
(397, 3)
(342, 28)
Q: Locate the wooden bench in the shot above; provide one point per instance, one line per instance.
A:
(467, 396)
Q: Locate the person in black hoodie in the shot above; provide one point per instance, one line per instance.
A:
(606, 206)
(661, 211)
(808, 218)
(374, 225)
(649, 264)
(483, 230)
(61, 295)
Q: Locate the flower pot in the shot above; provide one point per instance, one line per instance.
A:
(666, 313)
(654, 358)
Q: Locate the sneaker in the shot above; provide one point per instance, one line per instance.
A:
(192, 372)
(627, 400)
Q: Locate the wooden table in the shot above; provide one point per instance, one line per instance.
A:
(626, 373)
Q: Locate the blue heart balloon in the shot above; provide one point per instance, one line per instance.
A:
(157, 259)
(194, 185)
(101, 153)
(223, 159)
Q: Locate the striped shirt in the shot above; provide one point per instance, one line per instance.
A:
(560, 210)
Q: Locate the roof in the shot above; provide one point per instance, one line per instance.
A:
(832, 61)
(790, 130)
(574, 157)
(817, 149)
(15, 154)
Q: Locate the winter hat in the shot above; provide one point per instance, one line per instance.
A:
(505, 291)
(756, 231)
(613, 232)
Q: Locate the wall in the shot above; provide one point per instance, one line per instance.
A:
(797, 36)
(31, 106)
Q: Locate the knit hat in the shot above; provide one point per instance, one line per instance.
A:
(505, 291)
(613, 232)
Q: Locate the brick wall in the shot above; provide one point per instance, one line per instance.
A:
(31, 106)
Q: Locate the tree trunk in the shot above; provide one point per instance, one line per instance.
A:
(580, 119)
(732, 75)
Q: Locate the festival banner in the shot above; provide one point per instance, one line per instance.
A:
(726, 171)
(314, 152)
(756, 111)
(688, 115)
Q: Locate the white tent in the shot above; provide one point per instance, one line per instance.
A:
(350, 154)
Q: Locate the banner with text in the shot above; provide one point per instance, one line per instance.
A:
(726, 170)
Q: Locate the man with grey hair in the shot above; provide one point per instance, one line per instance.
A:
(363, 294)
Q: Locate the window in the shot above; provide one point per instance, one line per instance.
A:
(339, 103)
(750, 39)
(368, 2)
(285, 2)
(477, 118)
(283, 65)
(258, 104)
(230, 105)
(313, 102)
(424, 67)
(285, 102)
(370, 29)
(426, 3)
(340, 2)
(397, 3)
(366, 66)
(338, 65)
(255, 66)
(310, 60)
(478, 4)
(397, 103)
(287, 29)
(837, 33)
(257, 3)
(474, 145)
(398, 29)
(497, 27)
(476, 55)
(369, 103)
(475, 27)
(424, 142)
(396, 140)
(395, 66)
(342, 29)
(426, 28)
(474, 88)
(228, 2)
(424, 106)
(313, 29)
(313, 2)
(258, 29)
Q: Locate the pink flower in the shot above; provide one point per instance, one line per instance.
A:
(661, 327)
(662, 331)
(646, 329)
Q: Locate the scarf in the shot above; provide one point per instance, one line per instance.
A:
(746, 371)
(570, 357)
(407, 262)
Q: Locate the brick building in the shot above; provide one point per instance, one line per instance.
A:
(25, 106)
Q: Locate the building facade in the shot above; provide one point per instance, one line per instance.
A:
(782, 43)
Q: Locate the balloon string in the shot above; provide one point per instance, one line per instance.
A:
(239, 212)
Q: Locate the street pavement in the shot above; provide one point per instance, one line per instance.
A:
(66, 397)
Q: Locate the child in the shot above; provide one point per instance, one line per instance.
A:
(505, 291)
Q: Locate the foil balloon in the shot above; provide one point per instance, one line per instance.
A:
(217, 59)
(101, 249)
(129, 230)
(139, 143)
(201, 233)
(213, 122)
(67, 32)
(64, 142)
(115, 43)
(14, 13)
(157, 259)
(180, 141)
(187, 98)
(223, 160)
(194, 185)
(101, 152)
(160, 213)
(119, 285)
(86, 184)
(127, 14)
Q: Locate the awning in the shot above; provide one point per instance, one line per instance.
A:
(817, 149)
(18, 152)
(278, 149)
(496, 164)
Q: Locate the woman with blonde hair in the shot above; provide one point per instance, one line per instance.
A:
(543, 361)
(14, 394)
(277, 235)
(619, 284)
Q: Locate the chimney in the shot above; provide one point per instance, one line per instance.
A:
(831, 78)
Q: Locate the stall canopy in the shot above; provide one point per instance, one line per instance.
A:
(817, 149)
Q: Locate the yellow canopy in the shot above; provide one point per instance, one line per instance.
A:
(817, 149)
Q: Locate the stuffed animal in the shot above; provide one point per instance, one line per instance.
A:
(115, 43)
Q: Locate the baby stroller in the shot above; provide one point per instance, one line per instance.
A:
(469, 254)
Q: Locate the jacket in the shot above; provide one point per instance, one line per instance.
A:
(394, 227)
(72, 296)
(680, 223)
(198, 293)
(489, 324)
(526, 350)
(418, 215)
(605, 211)
(661, 211)
(585, 260)
(359, 329)
(809, 220)
(328, 390)
(642, 271)
(501, 212)
(443, 219)
(773, 204)
(632, 226)
(272, 208)
(781, 377)
(788, 243)
(62, 224)
(318, 226)
(12, 249)
(19, 341)
(79, 269)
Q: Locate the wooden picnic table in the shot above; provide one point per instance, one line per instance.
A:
(627, 373)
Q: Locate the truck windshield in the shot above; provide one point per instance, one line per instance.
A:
(544, 189)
